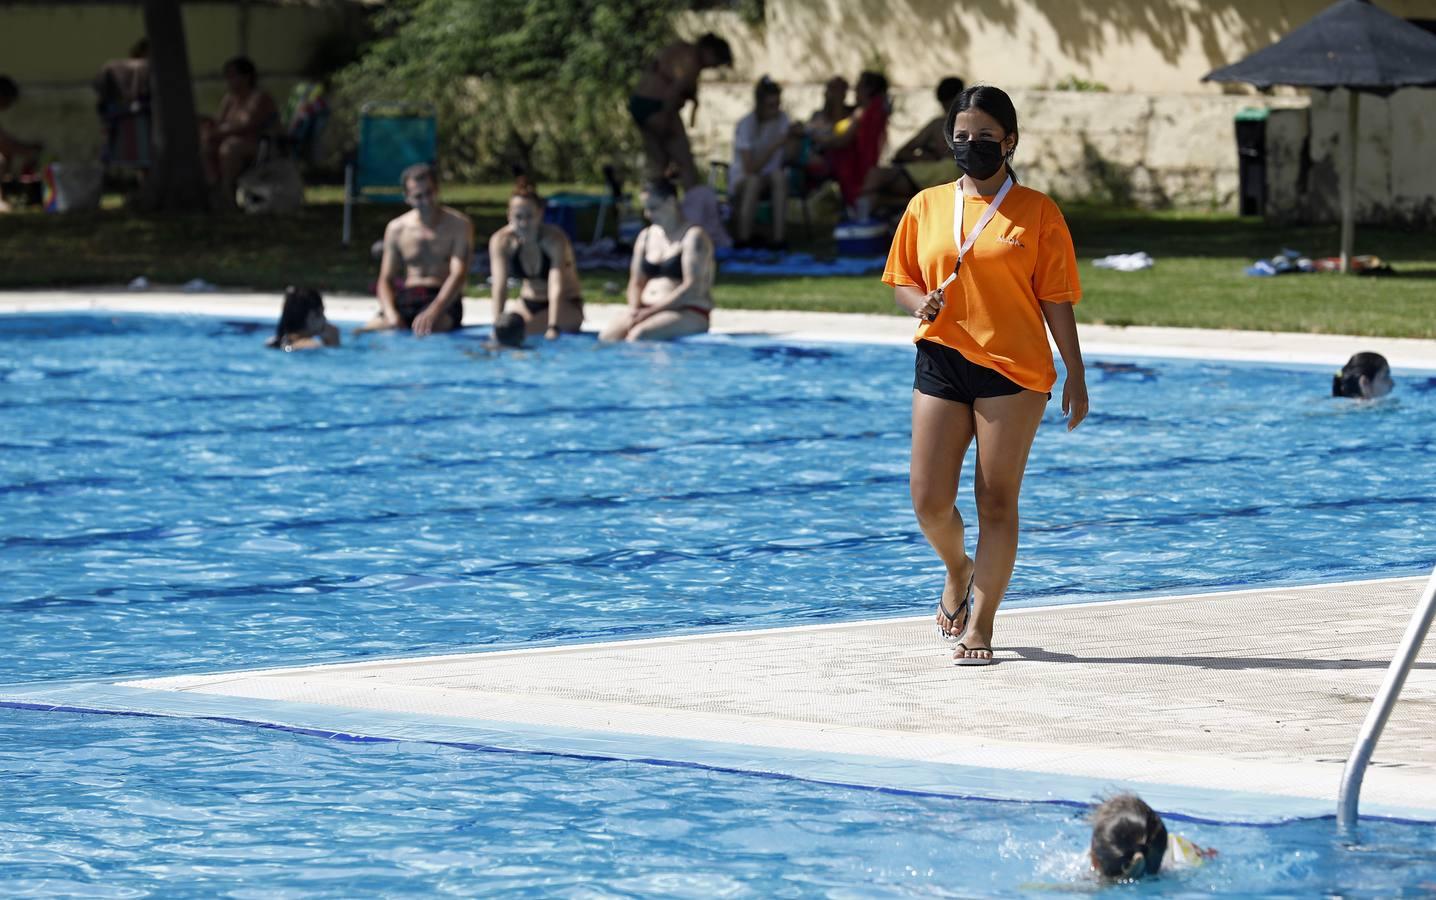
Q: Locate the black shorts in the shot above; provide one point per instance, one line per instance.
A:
(944, 373)
(411, 301)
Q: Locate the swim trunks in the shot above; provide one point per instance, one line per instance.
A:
(643, 108)
(411, 301)
(944, 373)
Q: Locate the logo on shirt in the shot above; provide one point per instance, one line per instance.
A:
(1011, 239)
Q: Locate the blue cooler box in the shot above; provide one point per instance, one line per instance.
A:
(861, 238)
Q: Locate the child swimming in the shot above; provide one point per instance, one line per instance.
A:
(302, 325)
(1129, 840)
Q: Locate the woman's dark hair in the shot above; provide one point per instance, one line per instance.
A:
(1347, 382)
(991, 100)
(525, 188)
(141, 49)
(876, 82)
(766, 87)
(242, 66)
(9, 90)
(299, 302)
(717, 48)
(662, 188)
(948, 89)
(1128, 838)
(509, 330)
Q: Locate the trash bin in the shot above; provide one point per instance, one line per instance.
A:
(1251, 160)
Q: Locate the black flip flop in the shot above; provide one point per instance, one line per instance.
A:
(952, 633)
(966, 660)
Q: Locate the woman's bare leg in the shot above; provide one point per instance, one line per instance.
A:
(1005, 428)
(669, 324)
(617, 328)
(941, 432)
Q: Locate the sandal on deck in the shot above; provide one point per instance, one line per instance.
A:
(966, 660)
(952, 632)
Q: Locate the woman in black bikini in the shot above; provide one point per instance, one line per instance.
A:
(670, 282)
(540, 256)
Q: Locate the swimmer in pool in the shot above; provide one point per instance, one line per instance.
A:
(1366, 376)
(1130, 841)
(302, 325)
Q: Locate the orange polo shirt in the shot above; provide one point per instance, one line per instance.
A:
(992, 315)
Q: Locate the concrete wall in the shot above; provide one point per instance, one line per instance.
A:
(53, 50)
(1395, 177)
(1158, 137)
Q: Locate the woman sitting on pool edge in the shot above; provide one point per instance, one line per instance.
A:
(670, 281)
(541, 257)
(302, 325)
(1366, 376)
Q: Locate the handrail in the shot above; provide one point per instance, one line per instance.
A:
(1350, 794)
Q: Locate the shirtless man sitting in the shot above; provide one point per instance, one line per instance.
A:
(433, 244)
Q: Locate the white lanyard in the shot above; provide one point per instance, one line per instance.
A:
(958, 203)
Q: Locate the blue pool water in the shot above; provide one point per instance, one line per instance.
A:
(173, 498)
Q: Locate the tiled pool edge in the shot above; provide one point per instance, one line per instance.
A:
(954, 781)
(800, 326)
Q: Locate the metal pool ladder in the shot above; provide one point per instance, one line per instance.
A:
(1380, 711)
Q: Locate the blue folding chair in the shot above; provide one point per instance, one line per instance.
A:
(392, 137)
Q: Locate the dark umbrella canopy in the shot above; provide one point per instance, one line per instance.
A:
(1352, 44)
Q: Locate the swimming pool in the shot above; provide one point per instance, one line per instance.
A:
(176, 499)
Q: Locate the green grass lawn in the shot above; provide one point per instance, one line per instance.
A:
(1197, 282)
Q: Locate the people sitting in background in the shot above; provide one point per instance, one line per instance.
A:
(1130, 841)
(1366, 376)
(540, 256)
(924, 161)
(432, 244)
(835, 110)
(123, 93)
(302, 325)
(760, 146)
(229, 142)
(17, 157)
(853, 151)
(670, 282)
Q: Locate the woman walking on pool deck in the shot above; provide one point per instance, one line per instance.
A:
(541, 257)
(983, 282)
(670, 281)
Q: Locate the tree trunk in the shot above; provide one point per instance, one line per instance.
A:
(176, 182)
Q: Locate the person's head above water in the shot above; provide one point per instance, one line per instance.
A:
(509, 330)
(301, 315)
(1365, 376)
(713, 51)
(525, 207)
(421, 187)
(9, 92)
(1128, 838)
(982, 130)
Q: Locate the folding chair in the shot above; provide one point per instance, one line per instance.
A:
(392, 137)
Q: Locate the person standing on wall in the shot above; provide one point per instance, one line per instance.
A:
(984, 263)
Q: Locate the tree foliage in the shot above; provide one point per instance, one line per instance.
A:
(540, 83)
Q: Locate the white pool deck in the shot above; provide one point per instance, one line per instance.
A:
(1237, 705)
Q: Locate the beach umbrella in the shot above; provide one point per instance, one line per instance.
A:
(1355, 45)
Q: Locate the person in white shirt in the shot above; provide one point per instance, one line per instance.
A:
(760, 145)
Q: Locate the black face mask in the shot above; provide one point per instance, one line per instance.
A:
(979, 159)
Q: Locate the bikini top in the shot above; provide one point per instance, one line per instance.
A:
(516, 264)
(671, 267)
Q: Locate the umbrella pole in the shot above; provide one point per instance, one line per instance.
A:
(1348, 183)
